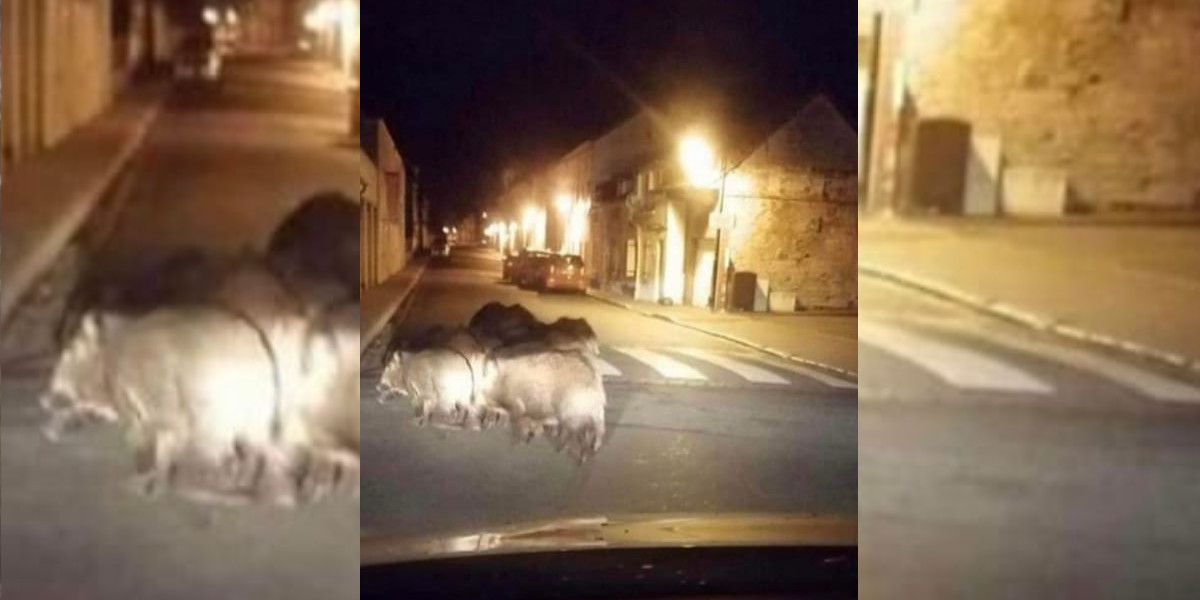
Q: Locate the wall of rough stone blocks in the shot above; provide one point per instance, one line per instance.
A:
(1104, 89)
(799, 230)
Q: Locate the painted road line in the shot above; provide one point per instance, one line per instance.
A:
(606, 368)
(1145, 382)
(663, 365)
(957, 366)
(747, 371)
(816, 374)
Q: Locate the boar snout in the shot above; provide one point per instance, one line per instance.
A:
(66, 414)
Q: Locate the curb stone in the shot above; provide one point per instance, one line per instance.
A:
(729, 338)
(23, 278)
(1029, 319)
(373, 330)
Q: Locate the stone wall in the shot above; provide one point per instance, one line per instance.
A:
(1105, 90)
(799, 230)
(56, 63)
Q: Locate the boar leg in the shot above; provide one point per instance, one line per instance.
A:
(156, 464)
(244, 466)
(278, 484)
(492, 416)
(327, 469)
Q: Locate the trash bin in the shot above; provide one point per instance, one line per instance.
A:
(742, 290)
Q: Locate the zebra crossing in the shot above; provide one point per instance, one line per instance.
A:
(961, 358)
(681, 365)
(703, 366)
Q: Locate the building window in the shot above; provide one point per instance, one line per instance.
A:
(631, 258)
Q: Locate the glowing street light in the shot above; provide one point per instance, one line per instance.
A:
(530, 218)
(211, 15)
(563, 202)
(698, 160)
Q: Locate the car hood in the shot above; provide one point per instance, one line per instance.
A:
(623, 531)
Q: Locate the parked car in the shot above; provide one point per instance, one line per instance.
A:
(510, 265)
(562, 272)
(440, 249)
(528, 270)
(198, 58)
(515, 263)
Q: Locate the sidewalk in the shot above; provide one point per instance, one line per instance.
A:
(47, 197)
(379, 303)
(1132, 285)
(824, 339)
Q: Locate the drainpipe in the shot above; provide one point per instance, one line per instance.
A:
(716, 301)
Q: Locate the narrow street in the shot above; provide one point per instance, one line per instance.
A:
(695, 424)
(999, 462)
(219, 170)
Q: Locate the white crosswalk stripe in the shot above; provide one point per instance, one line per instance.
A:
(663, 365)
(1145, 382)
(747, 371)
(606, 368)
(820, 376)
(955, 365)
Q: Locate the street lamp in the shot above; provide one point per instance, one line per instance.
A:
(700, 166)
(698, 160)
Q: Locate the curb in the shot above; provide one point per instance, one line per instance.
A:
(729, 338)
(1013, 314)
(372, 329)
(26, 273)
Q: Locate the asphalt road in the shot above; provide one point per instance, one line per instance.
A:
(999, 463)
(218, 170)
(717, 442)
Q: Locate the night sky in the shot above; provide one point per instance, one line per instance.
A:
(469, 87)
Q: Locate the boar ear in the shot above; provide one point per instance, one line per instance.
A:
(89, 325)
(97, 324)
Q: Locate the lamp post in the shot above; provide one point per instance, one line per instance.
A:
(720, 274)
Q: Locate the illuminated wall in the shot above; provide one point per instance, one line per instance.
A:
(1104, 90)
(794, 203)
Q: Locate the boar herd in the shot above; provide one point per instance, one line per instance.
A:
(504, 367)
(235, 376)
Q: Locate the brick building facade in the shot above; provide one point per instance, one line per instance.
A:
(1087, 105)
(794, 204)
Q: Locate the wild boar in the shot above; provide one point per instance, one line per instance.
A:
(442, 384)
(507, 324)
(319, 240)
(560, 392)
(562, 335)
(197, 387)
(322, 416)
